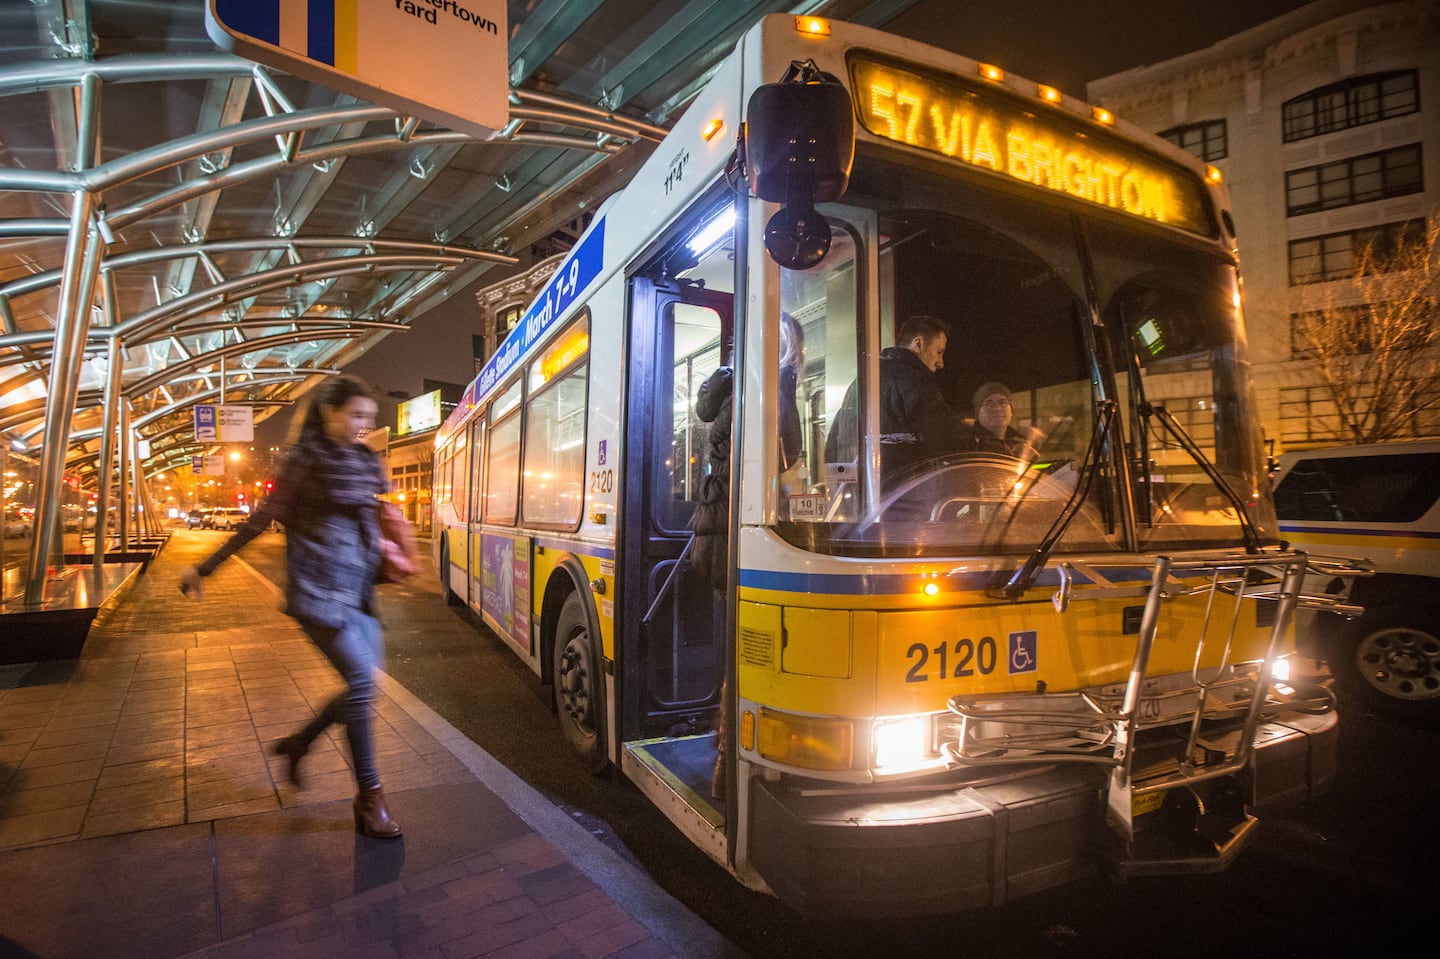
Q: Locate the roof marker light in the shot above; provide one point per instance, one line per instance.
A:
(711, 129)
(990, 72)
(1103, 115)
(815, 26)
(1048, 94)
(1213, 174)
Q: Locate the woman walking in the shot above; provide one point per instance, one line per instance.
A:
(325, 495)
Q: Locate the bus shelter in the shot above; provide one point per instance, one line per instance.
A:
(181, 227)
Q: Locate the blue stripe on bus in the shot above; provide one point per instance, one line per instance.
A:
(254, 18)
(320, 31)
(875, 584)
(1358, 531)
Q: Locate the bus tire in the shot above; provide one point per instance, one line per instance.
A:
(1388, 660)
(579, 684)
(450, 598)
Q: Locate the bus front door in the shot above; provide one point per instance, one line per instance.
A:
(680, 333)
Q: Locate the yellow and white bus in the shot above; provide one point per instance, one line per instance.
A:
(954, 686)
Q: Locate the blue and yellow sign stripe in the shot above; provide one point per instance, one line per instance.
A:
(326, 31)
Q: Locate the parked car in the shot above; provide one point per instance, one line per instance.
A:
(16, 524)
(196, 518)
(1381, 504)
(226, 517)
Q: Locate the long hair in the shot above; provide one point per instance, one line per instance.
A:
(334, 392)
(792, 342)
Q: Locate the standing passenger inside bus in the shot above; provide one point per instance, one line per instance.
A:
(710, 552)
(793, 478)
(916, 422)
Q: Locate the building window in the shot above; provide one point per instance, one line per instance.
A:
(505, 321)
(1361, 179)
(1207, 140)
(1318, 259)
(1351, 103)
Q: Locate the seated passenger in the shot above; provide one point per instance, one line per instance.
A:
(992, 431)
(916, 423)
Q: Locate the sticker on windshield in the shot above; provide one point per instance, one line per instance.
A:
(1023, 651)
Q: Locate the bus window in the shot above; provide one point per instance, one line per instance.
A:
(555, 431)
(461, 461)
(502, 473)
(696, 331)
(1004, 273)
(818, 361)
(1172, 316)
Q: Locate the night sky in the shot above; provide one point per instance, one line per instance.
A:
(1067, 43)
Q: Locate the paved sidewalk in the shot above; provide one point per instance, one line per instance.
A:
(141, 813)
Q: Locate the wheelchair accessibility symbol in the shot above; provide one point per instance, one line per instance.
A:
(1022, 651)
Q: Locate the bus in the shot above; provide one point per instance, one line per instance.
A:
(953, 685)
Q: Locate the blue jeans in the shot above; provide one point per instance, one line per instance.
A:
(355, 650)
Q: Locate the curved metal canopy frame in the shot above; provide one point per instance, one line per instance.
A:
(181, 226)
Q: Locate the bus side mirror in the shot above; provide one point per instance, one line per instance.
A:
(799, 146)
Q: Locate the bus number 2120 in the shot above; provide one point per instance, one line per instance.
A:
(966, 655)
(602, 481)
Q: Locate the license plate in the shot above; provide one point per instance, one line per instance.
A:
(1142, 803)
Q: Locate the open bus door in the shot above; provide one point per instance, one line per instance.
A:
(673, 666)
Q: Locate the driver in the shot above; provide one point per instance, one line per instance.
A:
(993, 432)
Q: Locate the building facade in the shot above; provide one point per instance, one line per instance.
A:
(1325, 124)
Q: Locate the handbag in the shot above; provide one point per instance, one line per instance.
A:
(399, 557)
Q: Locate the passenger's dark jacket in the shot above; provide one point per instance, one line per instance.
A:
(916, 423)
(325, 496)
(710, 552)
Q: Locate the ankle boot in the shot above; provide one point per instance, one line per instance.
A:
(371, 817)
(293, 748)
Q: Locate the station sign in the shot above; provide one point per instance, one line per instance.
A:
(444, 60)
(224, 424)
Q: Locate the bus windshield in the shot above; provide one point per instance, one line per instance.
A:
(1065, 331)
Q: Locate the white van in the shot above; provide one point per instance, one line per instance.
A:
(227, 517)
(1381, 504)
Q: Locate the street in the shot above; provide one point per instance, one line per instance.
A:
(1352, 871)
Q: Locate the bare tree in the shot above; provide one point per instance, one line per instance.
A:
(1373, 335)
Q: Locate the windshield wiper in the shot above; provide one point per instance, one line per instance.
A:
(1025, 576)
(1173, 427)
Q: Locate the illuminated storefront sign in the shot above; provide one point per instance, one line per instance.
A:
(418, 414)
(981, 128)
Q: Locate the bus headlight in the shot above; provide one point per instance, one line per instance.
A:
(808, 742)
(902, 743)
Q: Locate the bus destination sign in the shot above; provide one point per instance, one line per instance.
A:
(978, 127)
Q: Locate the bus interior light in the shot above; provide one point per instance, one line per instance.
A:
(712, 232)
(813, 26)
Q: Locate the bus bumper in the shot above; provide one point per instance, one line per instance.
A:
(829, 851)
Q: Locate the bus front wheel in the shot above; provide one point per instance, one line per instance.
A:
(578, 684)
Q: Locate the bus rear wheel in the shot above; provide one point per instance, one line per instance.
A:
(450, 598)
(578, 684)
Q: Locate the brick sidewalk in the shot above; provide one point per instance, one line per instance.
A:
(141, 813)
